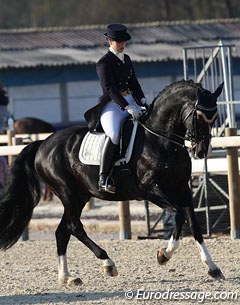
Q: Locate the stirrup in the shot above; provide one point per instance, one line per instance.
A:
(108, 188)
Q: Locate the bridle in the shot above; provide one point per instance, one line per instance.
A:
(193, 135)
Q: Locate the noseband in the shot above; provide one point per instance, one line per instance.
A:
(194, 135)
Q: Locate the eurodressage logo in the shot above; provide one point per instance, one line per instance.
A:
(199, 296)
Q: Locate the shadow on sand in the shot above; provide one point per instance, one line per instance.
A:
(61, 297)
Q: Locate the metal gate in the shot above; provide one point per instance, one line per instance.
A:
(211, 65)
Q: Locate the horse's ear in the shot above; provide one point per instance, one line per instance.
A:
(218, 90)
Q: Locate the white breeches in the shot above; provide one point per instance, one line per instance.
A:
(112, 117)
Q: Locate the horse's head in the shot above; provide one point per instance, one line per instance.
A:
(199, 120)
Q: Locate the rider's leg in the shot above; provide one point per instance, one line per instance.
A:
(105, 184)
(111, 120)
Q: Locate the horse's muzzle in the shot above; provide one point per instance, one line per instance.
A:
(200, 150)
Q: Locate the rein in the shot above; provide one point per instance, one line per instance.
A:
(164, 136)
(192, 135)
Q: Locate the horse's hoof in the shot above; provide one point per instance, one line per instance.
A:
(75, 282)
(162, 256)
(71, 281)
(110, 270)
(216, 274)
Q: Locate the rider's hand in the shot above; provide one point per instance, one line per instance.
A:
(145, 102)
(135, 111)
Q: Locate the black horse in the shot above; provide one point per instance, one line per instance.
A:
(159, 171)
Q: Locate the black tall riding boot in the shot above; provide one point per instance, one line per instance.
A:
(105, 183)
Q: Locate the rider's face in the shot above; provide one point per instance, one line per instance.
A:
(118, 46)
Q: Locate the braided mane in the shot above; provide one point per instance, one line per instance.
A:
(177, 85)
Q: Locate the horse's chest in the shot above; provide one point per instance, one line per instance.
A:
(166, 167)
(172, 168)
(168, 162)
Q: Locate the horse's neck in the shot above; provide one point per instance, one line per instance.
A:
(167, 119)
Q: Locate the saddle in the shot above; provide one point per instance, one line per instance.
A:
(92, 144)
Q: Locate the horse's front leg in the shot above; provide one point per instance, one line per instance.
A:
(213, 270)
(164, 254)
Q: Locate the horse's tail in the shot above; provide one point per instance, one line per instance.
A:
(19, 196)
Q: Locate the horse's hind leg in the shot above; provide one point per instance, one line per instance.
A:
(78, 231)
(213, 270)
(71, 225)
(62, 238)
(164, 254)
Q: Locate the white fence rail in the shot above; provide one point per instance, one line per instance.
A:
(12, 150)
